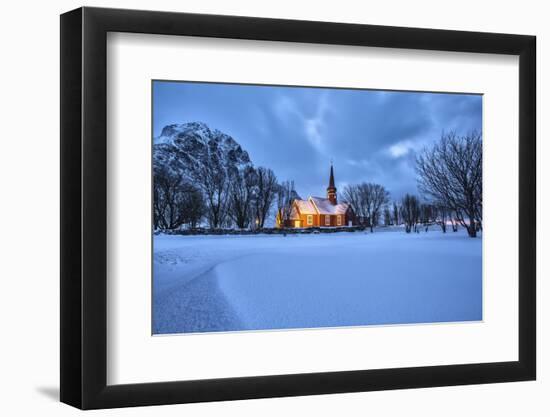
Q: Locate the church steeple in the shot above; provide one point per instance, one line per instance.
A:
(331, 189)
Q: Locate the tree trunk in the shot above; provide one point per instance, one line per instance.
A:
(472, 227)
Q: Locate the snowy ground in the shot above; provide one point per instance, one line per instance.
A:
(229, 283)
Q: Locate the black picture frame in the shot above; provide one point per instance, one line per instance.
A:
(84, 207)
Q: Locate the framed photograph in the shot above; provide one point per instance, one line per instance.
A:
(257, 208)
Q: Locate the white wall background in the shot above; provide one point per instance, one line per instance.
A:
(29, 175)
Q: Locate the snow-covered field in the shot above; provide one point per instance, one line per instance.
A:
(230, 283)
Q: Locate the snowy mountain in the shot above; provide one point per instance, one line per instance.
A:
(187, 149)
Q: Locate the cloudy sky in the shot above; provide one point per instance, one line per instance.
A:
(369, 135)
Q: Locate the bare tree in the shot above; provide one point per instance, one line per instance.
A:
(165, 187)
(427, 215)
(193, 207)
(242, 195)
(387, 217)
(367, 199)
(395, 214)
(454, 224)
(441, 215)
(451, 173)
(353, 196)
(175, 201)
(266, 191)
(410, 212)
(285, 198)
(214, 182)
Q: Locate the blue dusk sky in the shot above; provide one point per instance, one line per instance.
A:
(370, 135)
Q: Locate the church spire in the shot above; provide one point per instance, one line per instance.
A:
(331, 189)
(331, 180)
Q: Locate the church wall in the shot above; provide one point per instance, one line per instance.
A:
(303, 218)
(319, 221)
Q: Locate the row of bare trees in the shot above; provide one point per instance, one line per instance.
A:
(450, 179)
(414, 213)
(411, 212)
(372, 207)
(223, 197)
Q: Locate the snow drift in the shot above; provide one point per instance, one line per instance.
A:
(232, 283)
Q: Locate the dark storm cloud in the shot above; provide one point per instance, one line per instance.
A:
(370, 135)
